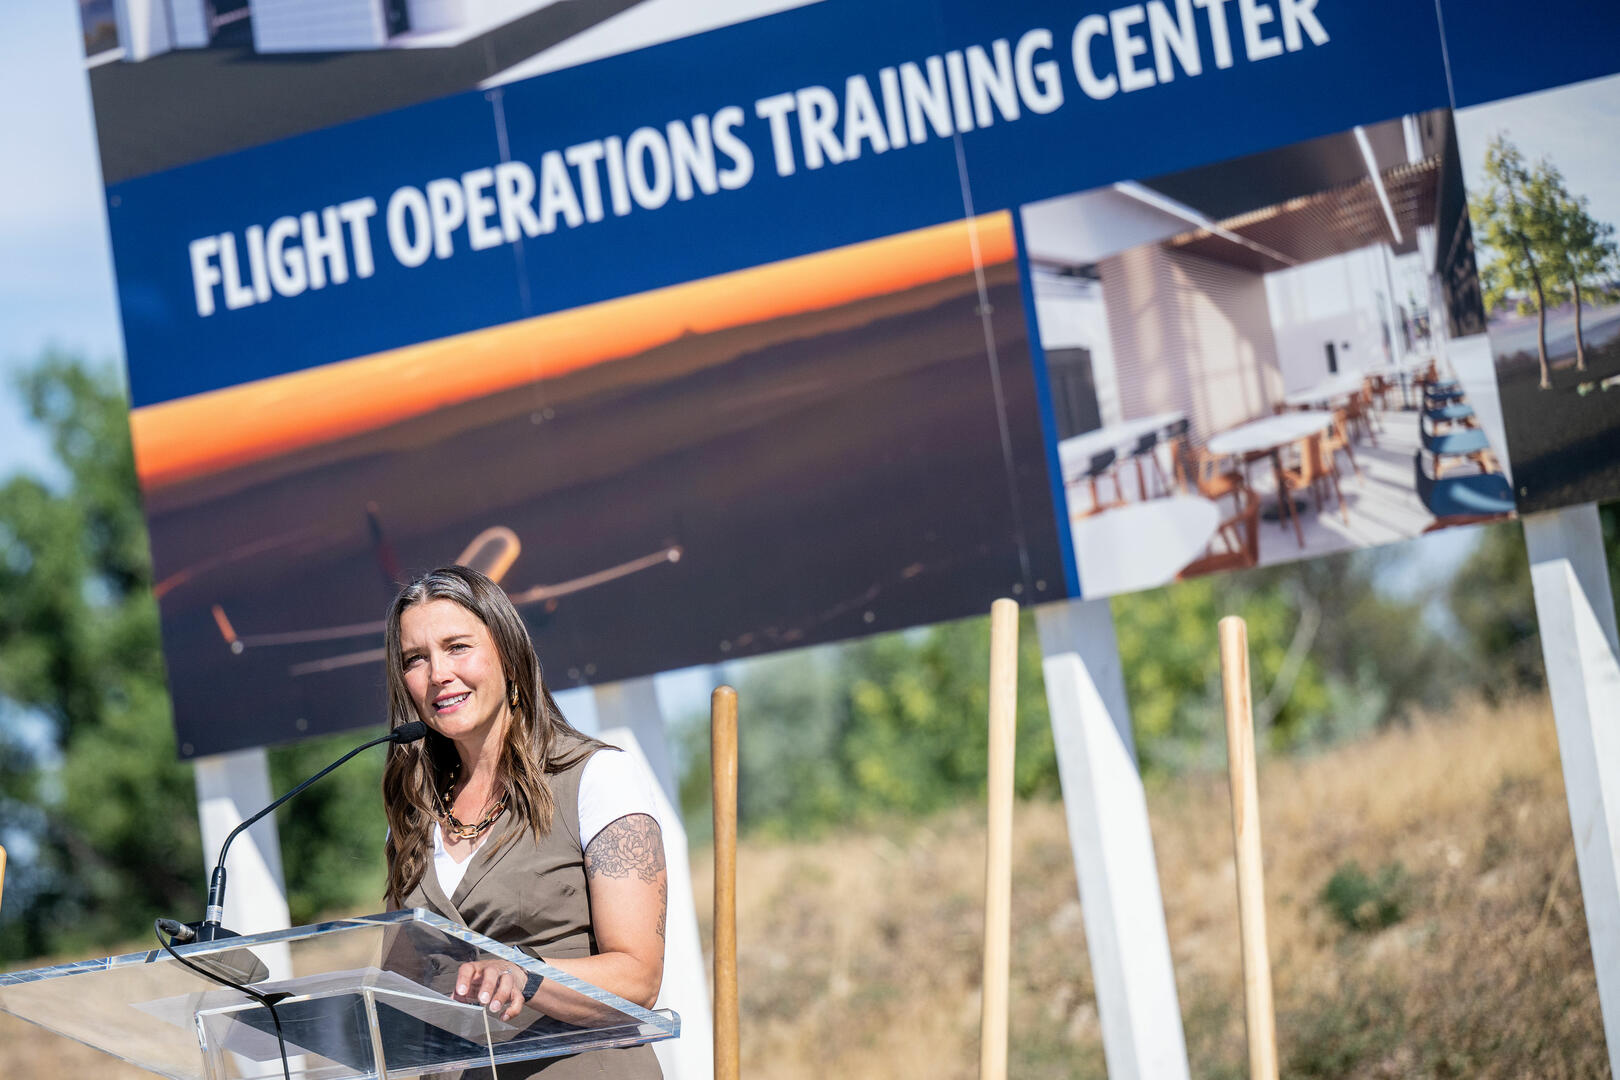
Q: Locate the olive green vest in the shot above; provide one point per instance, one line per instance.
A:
(533, 894)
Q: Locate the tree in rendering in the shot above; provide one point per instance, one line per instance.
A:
(1579, 247)
(1514, 216)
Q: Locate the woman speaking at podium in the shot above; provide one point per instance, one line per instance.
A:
(508, 820)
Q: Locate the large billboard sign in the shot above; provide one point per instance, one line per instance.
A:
(711, 333)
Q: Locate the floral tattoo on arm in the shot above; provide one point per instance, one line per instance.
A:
(632, 845)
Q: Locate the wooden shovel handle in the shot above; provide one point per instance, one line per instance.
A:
(723, 751)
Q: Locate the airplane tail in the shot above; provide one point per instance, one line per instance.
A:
(383, 548)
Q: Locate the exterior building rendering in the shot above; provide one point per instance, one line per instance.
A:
(147, 28)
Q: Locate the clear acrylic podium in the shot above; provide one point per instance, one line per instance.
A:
(369, 997)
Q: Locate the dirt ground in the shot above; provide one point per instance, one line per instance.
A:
(1562, 440)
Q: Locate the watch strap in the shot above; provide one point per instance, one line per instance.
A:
(531, 985)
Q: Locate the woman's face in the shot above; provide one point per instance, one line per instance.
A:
(452, 670)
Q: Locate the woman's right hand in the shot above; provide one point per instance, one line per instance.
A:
(496, 984)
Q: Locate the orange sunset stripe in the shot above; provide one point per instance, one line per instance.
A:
(194, 436)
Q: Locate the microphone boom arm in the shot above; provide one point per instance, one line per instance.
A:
(214, 914)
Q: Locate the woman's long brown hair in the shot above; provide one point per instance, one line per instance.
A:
(539, 739)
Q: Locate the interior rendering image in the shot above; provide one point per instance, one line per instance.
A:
(1274, 357)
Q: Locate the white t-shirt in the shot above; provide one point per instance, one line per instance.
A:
(613, 785)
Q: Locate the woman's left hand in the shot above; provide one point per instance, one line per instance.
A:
(495, 984)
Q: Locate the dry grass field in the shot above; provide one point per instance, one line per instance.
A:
(860, 952)
(859, 955)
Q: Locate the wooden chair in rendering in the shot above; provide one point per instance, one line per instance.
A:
(1209, 476)
(1102, 467)
(1313, 473)
(1338, 440)
(1147, 447)
(1241, 534)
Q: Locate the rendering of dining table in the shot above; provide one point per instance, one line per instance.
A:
(1075, 453)
(1142, 545)
(1331, 390)
(1270, 433)
(1078, 450)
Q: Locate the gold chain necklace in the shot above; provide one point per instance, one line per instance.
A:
(452, 826)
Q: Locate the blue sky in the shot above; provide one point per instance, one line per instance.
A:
(56, 284)
(1562, 125)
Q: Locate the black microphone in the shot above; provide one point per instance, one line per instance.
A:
(405, 733)
(210, 929)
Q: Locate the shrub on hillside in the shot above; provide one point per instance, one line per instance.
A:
(1367, 903)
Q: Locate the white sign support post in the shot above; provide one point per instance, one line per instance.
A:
(231, 788)
(630, 718)
(1106, 809)
(1575, 607)
(633, 704)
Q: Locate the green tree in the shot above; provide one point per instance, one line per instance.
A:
(103, 809)
(790, 772)
(917, 737)
(100, 814)
(1494, 607)
(1492, 604)
(1580, 246)
(1169, 650)
(332, 834)
(896, 724)
(1514, 218)
(1332, 655)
